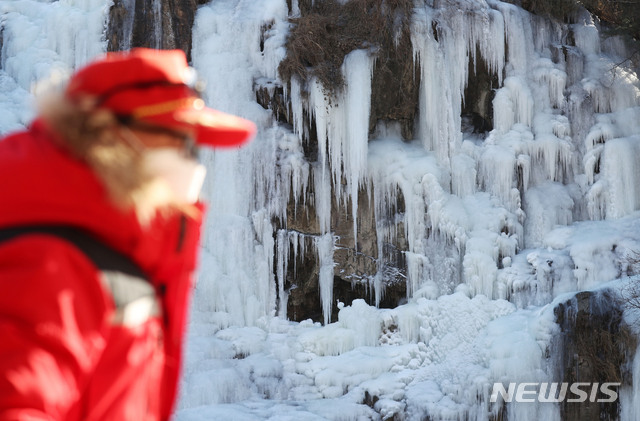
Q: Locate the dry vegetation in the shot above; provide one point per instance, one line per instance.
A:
(622, 15)
(558, 9)
(327, 31)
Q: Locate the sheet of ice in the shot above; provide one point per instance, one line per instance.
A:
(621, 173)
(547, 206)
(42, 42)
(572, 258)
(17, 105)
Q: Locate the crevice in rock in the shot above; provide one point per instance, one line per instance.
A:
(477, 110)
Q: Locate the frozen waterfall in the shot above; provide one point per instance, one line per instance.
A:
(496, 228)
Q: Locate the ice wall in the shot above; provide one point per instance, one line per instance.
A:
(473, 202)
(41, 44)
(512, 214)
(480, 212)
(248, 188)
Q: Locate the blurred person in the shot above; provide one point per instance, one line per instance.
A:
(99, 229)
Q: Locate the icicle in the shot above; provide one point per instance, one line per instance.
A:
(319, 107)
(156, 8)
(343, 131)
(552, 155)
(358, 70)
(485, 29)
(282, 256)
(297, 107)
(522, 100)
(324, 246)
(440, 92)
(622, 173)
(546, 73)
(322, 197)
(295, 237)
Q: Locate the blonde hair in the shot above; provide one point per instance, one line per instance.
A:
(95, 135)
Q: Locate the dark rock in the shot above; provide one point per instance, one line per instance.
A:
(167, 27)
(593, 347)
(355, 267)
(395, 85)
(477, 110)
(270, 95)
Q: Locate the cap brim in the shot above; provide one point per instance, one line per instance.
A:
(216, 128)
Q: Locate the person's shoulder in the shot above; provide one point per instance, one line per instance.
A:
(48, 265)
(17, 142)
(8, 140)
(35, 145)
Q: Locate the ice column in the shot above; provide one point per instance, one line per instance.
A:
(358, 70)
(440, 101)
(324, 246)
(622, 174)
(157, 27)
(286, 241)
(452, 46)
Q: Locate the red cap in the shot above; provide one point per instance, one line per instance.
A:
(157, 87)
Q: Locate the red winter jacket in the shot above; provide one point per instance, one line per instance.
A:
(63, 353)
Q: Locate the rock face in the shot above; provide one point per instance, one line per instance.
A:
(594, 347)
(164, 24)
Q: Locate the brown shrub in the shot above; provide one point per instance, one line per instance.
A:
(561, 10)
(623, 15)
(327, 31)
